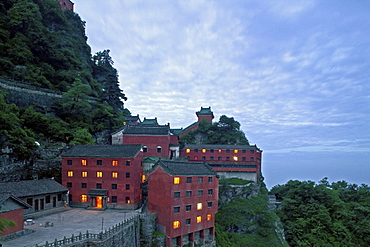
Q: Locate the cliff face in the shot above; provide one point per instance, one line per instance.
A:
(244, 217)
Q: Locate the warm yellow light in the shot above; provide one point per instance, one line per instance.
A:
(204, 150)
(176, 180)
(199, 206)
(236, 151)
(199, 219)
(143, 178)
(114, 162)
(176, 224)
(84, 162)
(187, 150)
(70, 173)
(220, 150)
(84, 174)
(83, 198)
(128, 201)
(209, 217)
(114, 174)
(99, 174)
(235, 158)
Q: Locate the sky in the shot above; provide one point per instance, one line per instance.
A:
(295, 74)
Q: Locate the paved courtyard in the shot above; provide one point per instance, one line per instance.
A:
(67, 223)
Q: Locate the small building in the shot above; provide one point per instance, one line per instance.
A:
(184, 195)
(103, 176)
(11, 208)
(41, 194)
(205, 114)
(240, 161)
(66, 4)
(157, 140)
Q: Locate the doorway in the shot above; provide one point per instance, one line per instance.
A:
(99, 202)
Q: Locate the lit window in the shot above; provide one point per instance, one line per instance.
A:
(176, 180)
(176, 224)
(236, 151)
(209, 217)
(143, 178)
(199, 219)
(204, 150)
(127, 200)
(199, 206)
(114, 174)
(187, 150)
(235, 158)
(99, 174)
(70, 173)
(220, 150)
(114, 162)
(84, 162)
(84, 174)
(83, 198)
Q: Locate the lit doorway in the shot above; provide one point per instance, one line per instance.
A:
(99, 202)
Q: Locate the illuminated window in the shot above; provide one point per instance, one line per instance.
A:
(209, 217)
(235, 158)
(199, 206)
(99, 174)
(236, 151)
(84, 174)
(84, 162)
(220, 150)
(114, 174)
(83, 198)
(187, 150)
(204, 150)
(143, 178)
(114, 162)
(127, 200)
(176, 180)
(199, 219)
(176, 224)
(70, 173)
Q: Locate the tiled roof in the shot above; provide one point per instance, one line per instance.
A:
(216, 146)
(146, 130)
(97, 192)
(6, 196)
(176, 168)
(104, 151)
(133, 118)
(148, 121)
(32, 187)
(205, 111)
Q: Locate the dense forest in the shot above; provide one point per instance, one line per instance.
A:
(40, 45)
(324, 214)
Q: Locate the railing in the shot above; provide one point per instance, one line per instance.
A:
(74, 239)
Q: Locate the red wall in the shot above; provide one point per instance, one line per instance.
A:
(66, 4)
(151, 142)
(161, 201)
(135, 170)
(17, 217)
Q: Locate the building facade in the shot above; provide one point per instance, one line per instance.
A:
(184, 195)
(240, 161)
(41, 194)
(103, 176)
(66, 4)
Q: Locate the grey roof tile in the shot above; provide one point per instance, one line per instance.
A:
(176, 168)
(104, 151)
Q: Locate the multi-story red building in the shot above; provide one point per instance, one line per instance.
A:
(184, 195)
(157, 140)
(241, 161)
(205, 114)
(103, 176)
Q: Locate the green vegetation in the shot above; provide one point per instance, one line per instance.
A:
(226, 131)
(245, 220)
(235, 181)
(325, 214)
(4, 223)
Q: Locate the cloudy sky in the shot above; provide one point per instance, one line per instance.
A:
(295, 74)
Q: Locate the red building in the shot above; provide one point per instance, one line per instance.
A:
(241, 161)
(157, 140)
(184, 196)
(103, 176)
(66, 4)
(11, 208)
(205, 114)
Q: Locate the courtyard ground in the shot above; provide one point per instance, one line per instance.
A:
(69, 222)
